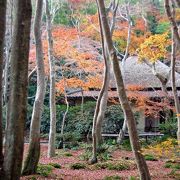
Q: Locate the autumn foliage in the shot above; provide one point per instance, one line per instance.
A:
(154, 48)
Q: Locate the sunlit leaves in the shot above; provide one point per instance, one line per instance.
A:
(167, 149)
(154, 48)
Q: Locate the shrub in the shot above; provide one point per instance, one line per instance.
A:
(115, 177)
(126, 145)
(167, 165)
(62, 153)
(174, 166)
(68, 154)
(44, 170)
(104, 156)
(119, 166)
(55, 165)
(103, 153)
(114, 119)
(174, 174)
(77, 166)
(150, 157)
(78, 126)
(169, 127)
(133, 178)
(86, 155)
(167, 149)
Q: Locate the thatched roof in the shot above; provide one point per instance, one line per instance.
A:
(140, 74)
(137, 74)
(113, 94)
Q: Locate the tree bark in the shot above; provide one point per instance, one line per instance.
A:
(175, 45)
(18, 93)
(101, 104)
(2, 38)
(122, 132)
(102, 101)
(141, 163)
(172, 21)
(61, 143)
(63, 122)
(174, 89)
(52, 96)
(8, 46)
(98, 116)
(124, 127)
(32, 159)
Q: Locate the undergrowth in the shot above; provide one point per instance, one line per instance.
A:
(77, 166)
(150, 157)
(44, 169)
(55, 165)
(119, 165)
(115, 177)
(167, 149)
(104, 153)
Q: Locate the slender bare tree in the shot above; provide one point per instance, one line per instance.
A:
(101, 104)
(100, 109)
(52, 96)
(129, 20)
(8, 46)
(18, 92)
(32, 159)
(64, 120)
(170, 11)
(2, 38)
(141, 163)
(61, 142)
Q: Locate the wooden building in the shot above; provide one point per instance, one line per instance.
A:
(136, 74)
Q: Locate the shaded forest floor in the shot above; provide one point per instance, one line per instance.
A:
(118, 164)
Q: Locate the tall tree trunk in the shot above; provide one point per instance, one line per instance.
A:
(8, 44)
(175, 45)
(141, 163)
(18, 93)
(174, 89)
(32, 159)
(65, 114)
(101, 104)
(61, 143)
(102, 100)
(122, 132)
(102, 108)
(2, 34)
(52, 97)
(124, 127)
(95, 118)
(8, 47)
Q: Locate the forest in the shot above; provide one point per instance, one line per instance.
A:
(90, 89)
